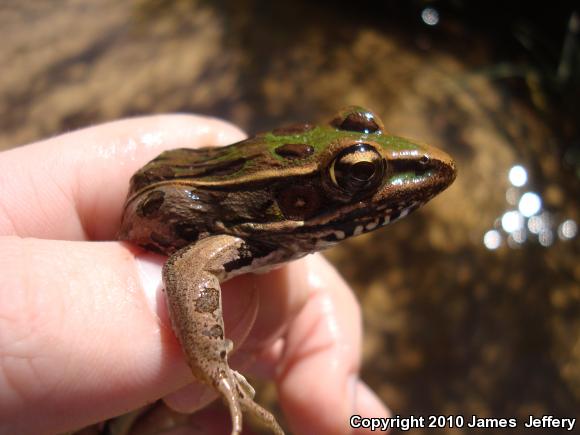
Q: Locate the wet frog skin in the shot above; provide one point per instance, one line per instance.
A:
(272, 198)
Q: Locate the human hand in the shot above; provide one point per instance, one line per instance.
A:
(84, 330)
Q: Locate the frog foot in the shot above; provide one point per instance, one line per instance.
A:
(239, 395)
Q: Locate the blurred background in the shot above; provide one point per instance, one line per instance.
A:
(472, 304)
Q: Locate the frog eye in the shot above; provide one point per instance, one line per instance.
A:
(358, 120)
(357, 168)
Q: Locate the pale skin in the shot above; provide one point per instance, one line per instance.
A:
(84, 329)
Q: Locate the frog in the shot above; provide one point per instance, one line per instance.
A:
(218, 212)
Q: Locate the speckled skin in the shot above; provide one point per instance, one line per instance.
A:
(220, 212)
(192, 281)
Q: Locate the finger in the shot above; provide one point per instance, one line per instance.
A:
(72, 187)
(82, 306)
(318, 379)
(79, 340)
(82, 336)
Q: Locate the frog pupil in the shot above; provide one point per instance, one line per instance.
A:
(363, 171)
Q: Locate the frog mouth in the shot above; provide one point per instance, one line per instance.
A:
(361, 221)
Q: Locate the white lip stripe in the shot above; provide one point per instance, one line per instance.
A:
(339, 235)
(358, 230)
(322, 244)
(372, 225)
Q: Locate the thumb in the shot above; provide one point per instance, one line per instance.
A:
(79, 338)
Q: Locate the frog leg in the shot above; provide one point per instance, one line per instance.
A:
(192, 278)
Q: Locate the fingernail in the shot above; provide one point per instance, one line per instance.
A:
(352, 390)
(365, 401)
(149, 268)
(190, 398)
